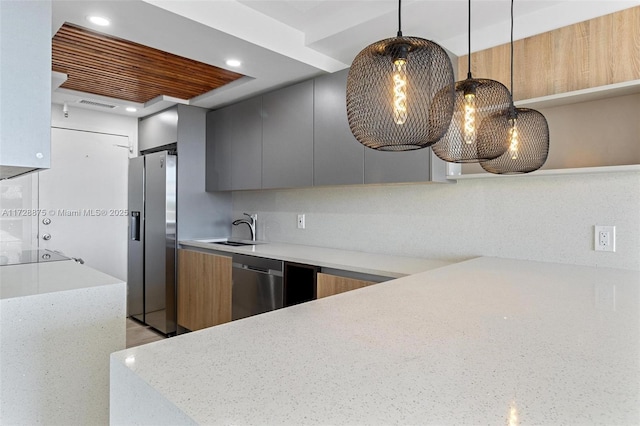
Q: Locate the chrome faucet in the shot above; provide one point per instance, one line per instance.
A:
(252, 222)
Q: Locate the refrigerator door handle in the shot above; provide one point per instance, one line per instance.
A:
(134, 226)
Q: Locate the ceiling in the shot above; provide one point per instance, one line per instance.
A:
(103, 65)
(284, 41)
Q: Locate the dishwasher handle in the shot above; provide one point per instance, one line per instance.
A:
(257, 269)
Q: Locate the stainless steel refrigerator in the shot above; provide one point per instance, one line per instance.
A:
(152, 241)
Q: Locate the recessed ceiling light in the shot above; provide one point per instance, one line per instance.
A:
(98, 20)
(233, 62)
(131, 109)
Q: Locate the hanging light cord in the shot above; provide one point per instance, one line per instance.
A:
(512, 110)
(399, 18)
(469, 35)
(512, 49)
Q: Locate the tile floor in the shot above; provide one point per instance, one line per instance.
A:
(140, 334)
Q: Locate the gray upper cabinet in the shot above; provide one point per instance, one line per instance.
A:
(420, 165)
(287, 137)
(234, 146)
(25, 122)
(338, 158)
(158, 130)
(392, 167)
(218, 176)
(199, 212)
(299, 136)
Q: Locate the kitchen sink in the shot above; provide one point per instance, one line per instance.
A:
(233, 243)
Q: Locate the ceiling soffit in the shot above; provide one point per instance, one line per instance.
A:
(108, 66)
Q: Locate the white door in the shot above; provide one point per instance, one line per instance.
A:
(83, 199)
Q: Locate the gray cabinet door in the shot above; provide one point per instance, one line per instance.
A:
(287, 137)
(234, 147)
(25, 122)
(218, 153)
(338, 158)
(392, 167)
(158, 130)
(246, 144)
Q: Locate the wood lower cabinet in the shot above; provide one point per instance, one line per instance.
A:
(328, 285)
(204, 289)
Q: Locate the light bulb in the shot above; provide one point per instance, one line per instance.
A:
(469, 118)
(514, 139)
(400, 91)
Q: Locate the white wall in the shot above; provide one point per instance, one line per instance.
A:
(96, 121)
(545, 218)
(114, 229)
(20, 233)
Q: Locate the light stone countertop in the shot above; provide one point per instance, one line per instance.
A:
(48, 277)
(59, 321)
(355, 261)
(486, 341)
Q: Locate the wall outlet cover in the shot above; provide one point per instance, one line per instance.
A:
(604, 238)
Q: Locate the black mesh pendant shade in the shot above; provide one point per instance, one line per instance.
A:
(475, 99)
(528, 152)
(527, 135)
(400, 94)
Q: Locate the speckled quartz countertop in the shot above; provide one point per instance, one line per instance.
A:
(355, 261)
(486, 341)
(49, 277)
(59, 321)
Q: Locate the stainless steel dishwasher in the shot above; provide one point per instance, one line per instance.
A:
(258, 285)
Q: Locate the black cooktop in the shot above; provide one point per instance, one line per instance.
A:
(31, 256)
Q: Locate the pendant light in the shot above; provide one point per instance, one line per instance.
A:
(400, 93)
(475, 99)
(528, 136)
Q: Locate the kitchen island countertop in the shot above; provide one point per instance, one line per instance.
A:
(31, 279)
(354, 261)
(486, 341)
(60, 321)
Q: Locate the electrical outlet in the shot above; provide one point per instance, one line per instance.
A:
(604, 238)
(301, 221)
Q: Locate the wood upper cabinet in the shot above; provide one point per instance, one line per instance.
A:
(204, 289)
(328, 285)
(598, 52)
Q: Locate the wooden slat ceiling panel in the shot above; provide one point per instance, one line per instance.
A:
(104, 65)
